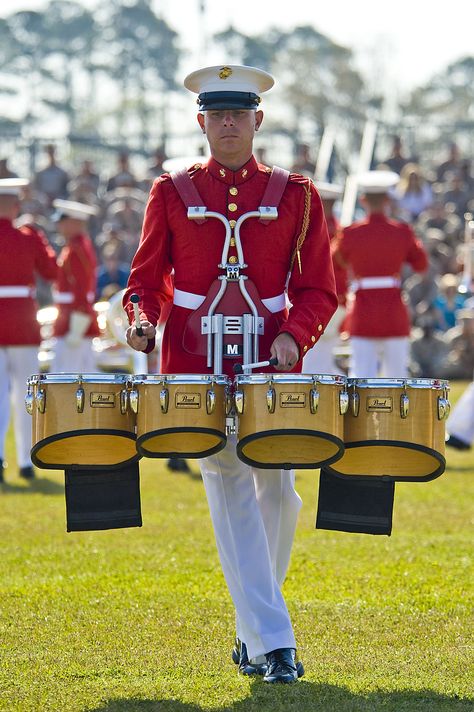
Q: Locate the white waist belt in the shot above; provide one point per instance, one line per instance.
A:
(16, 291)
(375, 283)
(68, 297)
(188, 300)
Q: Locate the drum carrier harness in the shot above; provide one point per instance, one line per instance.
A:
(215, 325)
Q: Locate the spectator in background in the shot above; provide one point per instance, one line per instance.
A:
(124, 176)
(452, 164)
(52, 181)
(420, 289)
(155, 168)
(5, 172)
(448, 302)
(456, 195)
(437, 216)
(396, 161)
(85, 185)
(413, 193)
(428, 348)
(303, 163)
(441, 255)
(459, 363)
(112, 275)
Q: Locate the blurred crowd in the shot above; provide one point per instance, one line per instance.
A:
(435, 197)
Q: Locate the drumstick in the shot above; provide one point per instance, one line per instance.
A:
(239, 367)
(134, 298)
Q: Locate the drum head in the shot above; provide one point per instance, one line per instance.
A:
(84, 449)
(396, 461)
(188, 442)
(290, 449)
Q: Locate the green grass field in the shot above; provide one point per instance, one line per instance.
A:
(140, 619)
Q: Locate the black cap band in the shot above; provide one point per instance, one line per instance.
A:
(227, 100)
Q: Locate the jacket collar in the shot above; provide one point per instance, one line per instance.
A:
(230, 177)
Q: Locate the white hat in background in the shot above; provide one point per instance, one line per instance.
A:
(377, 182)
(229, 86)
(329, 191)
(179, 162)
(71, 209)
(12, 186)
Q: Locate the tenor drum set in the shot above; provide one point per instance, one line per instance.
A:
(390, 428)
(97, 426)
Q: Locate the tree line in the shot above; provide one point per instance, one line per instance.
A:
(111, 73)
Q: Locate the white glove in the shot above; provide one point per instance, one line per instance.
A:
(78, 325)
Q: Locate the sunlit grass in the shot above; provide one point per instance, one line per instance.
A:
(140, 619)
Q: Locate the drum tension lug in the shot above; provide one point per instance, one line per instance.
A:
(404, 405)
(164, 400)
(271, 399)
(41, 400)
(80, 397)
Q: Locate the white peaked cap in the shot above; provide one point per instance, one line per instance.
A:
(372, 182)
(72, 209)
(329, 191)
(12, 186)
(224, 86)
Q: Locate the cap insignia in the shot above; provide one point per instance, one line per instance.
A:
(225, 73)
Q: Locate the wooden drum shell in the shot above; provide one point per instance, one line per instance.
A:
(292, 436)
(102, 435)
(380, 442)
(189, 426)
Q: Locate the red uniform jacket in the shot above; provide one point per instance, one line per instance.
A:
(24, 254)
(76, 284)
(378, 247)
(171, 241)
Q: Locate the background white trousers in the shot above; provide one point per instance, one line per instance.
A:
(74, 359)
(379, 358)
(254, 514)
(320, 359)
(17, 363)
(461, 419)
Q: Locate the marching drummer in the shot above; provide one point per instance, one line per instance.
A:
(254, 511)
(25, 254)
(374, 250)
(74, 295)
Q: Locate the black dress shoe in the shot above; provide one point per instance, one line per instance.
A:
(281, 666)
(27, 472)
(178, 464)
(455, 442)
(241, 658)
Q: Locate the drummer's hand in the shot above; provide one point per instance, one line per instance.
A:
(139, 343)
(285, 349)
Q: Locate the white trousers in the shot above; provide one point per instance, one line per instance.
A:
(320, 359)
(17, 363)
(254, 514)
(74, 359)
(379, 358)
(461, 419)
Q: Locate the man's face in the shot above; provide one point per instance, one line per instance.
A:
(230, 132)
